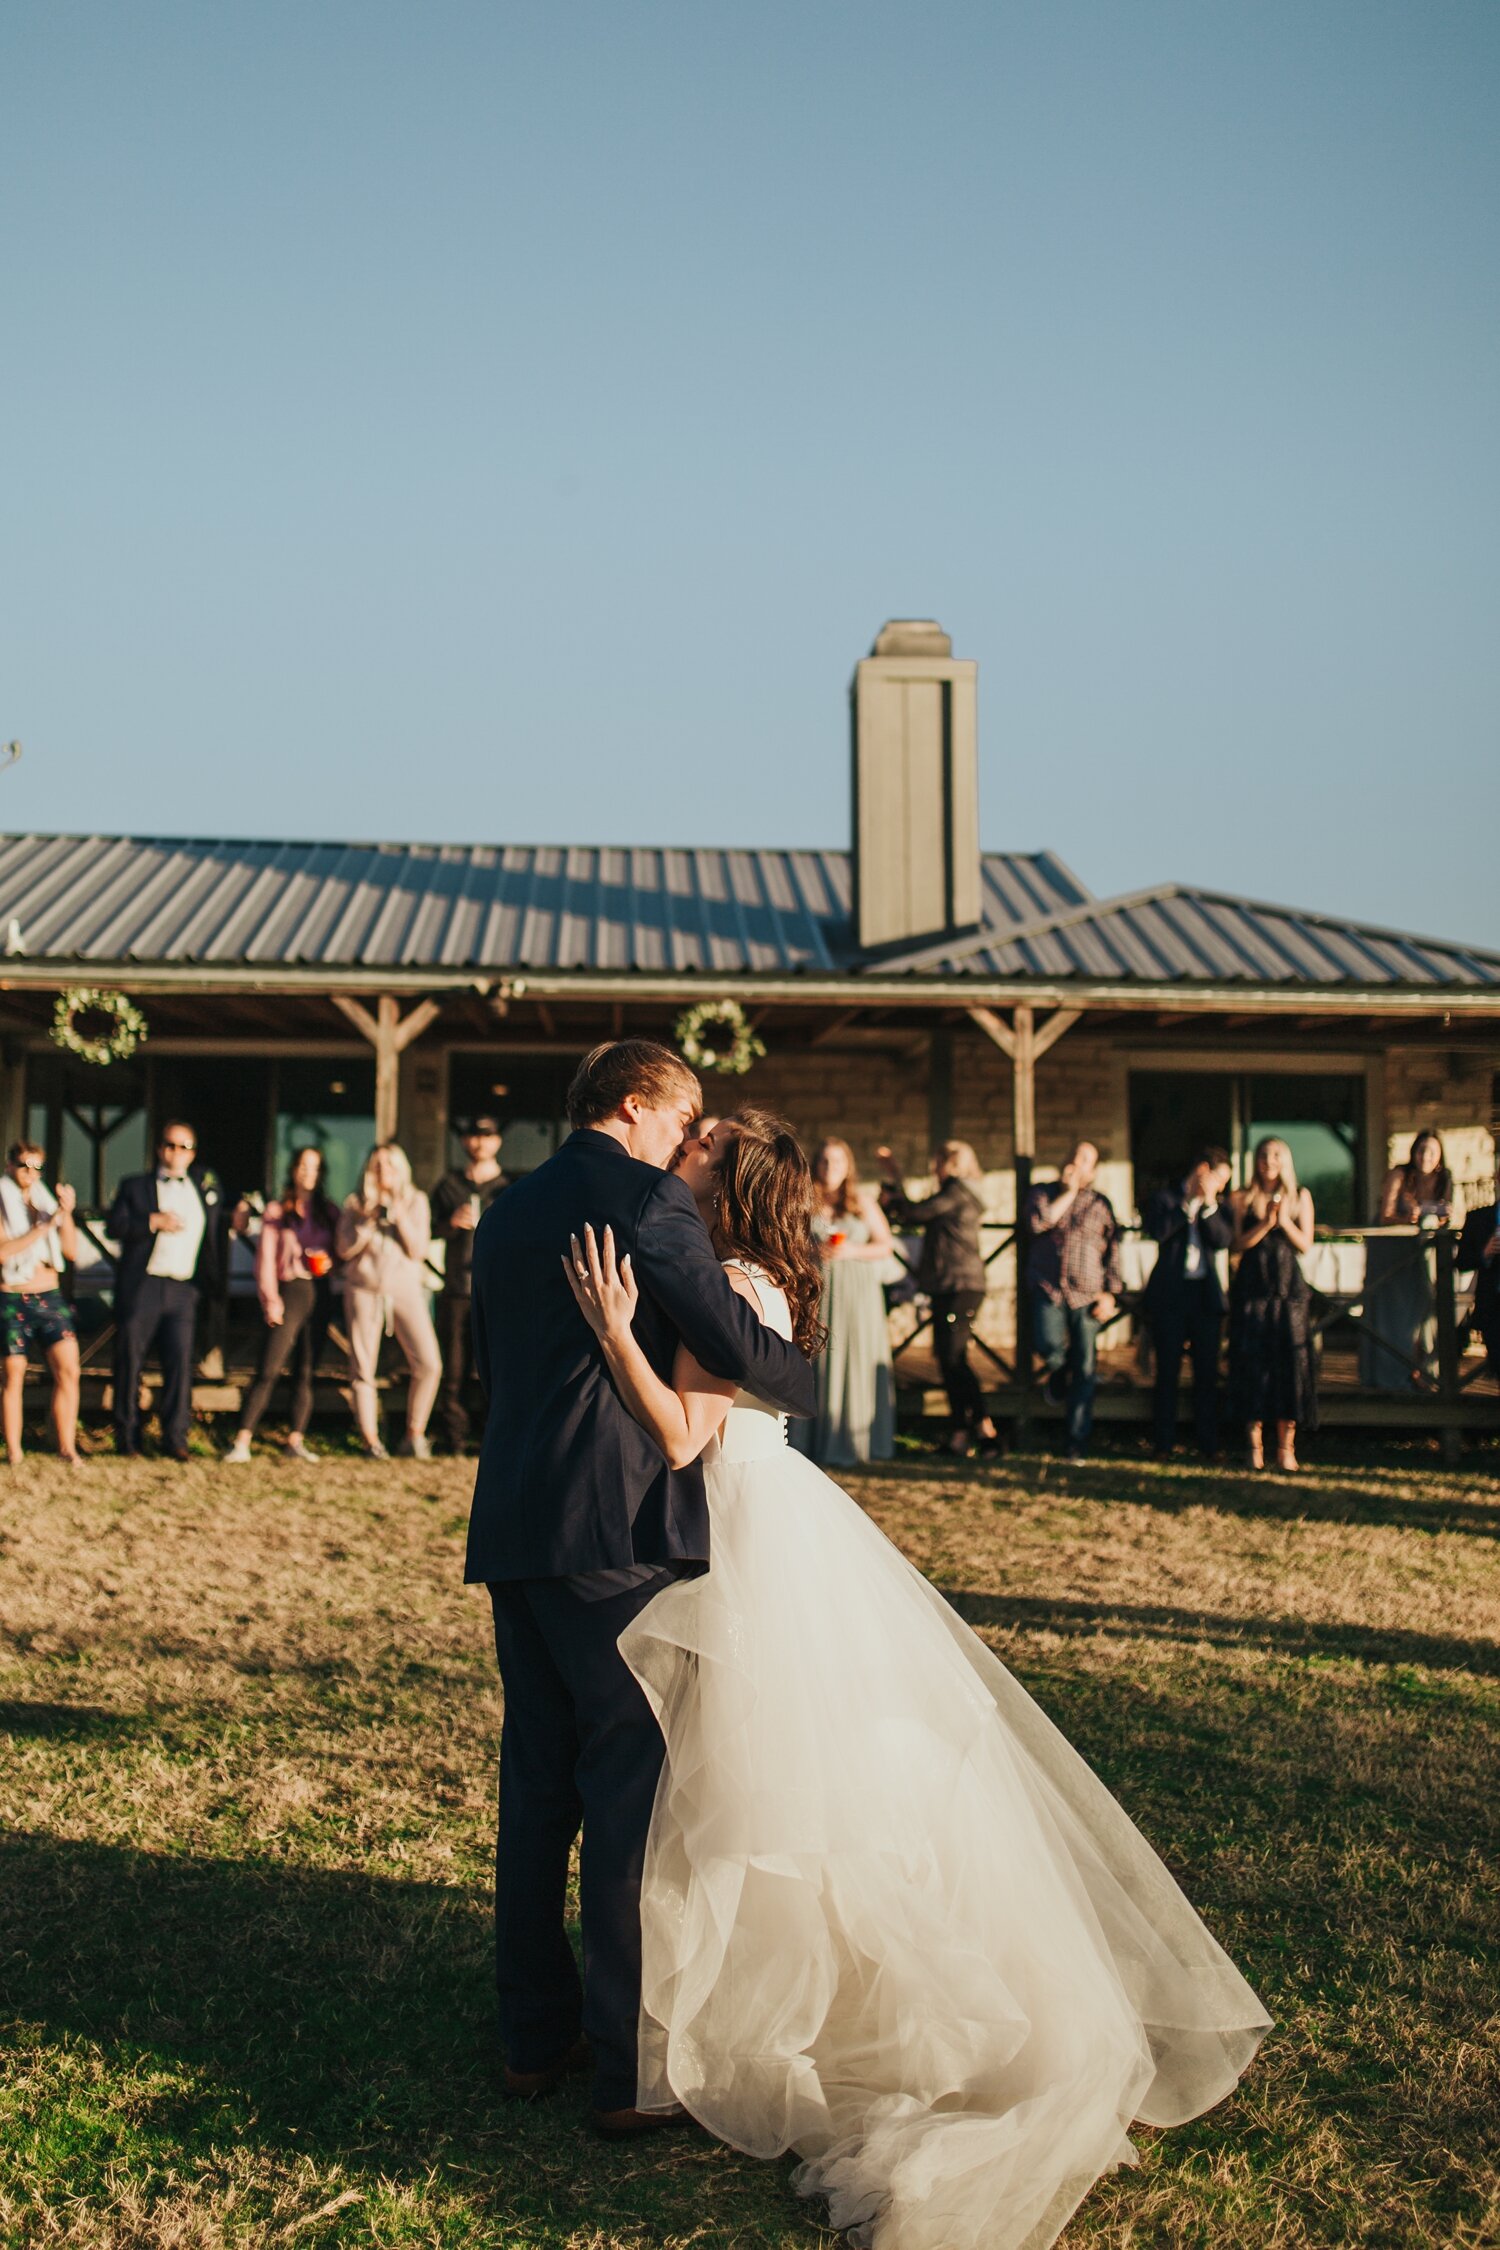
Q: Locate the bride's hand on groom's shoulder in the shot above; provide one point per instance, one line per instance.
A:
(603, 1285)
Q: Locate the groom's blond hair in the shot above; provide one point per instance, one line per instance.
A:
(617, 1068)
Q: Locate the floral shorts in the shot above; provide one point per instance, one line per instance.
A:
(33, 1316)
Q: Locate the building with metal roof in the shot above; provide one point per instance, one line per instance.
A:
(123, 905)
(905, 990)
(908, 987)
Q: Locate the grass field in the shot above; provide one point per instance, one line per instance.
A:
(248, 1723)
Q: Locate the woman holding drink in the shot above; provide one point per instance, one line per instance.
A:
(294, 1281)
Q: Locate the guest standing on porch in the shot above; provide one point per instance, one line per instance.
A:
(1478, 1253)
(459, 1201)
(1073, 1273)
(1271, 1373)
(164, 1223)
(950, 1273)
(1184, 1297)
(294, 1280)
(856, 1417)
(1398, 1327)
(40, 1233)
(383, 1234)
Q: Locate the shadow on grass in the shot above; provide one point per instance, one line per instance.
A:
(1312, 1496)
(344, 2017)
(1291, 1635)
(69, 1722)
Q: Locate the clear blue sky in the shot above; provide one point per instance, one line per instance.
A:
(512, 422)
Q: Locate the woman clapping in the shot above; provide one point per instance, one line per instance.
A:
(1271, 1376)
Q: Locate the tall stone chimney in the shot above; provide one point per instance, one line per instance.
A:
(914, 708)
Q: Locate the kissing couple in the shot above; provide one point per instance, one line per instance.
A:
(844, 1889)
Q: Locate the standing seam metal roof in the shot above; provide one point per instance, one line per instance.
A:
(494, 909)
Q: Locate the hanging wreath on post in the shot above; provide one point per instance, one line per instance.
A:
(97, 1026)
(715, 1035)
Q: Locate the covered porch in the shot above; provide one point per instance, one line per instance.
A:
(261, 1062)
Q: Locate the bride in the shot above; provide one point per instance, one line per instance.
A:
(889, 1918)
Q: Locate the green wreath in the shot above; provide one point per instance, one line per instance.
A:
(715, 1035)
(126, 1025)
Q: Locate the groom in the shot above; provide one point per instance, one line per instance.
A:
(577, 1522)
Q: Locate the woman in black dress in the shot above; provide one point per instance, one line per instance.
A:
(1271, 1374)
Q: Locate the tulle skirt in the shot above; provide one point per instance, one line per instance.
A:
(890, 1920)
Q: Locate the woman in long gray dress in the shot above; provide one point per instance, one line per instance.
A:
(856, 1418)
(1398, 1336)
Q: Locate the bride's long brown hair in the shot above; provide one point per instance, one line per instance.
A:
(764, 1214)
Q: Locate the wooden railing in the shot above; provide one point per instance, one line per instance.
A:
(1437, 1379)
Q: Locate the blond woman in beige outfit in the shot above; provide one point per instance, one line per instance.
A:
(382, 1239)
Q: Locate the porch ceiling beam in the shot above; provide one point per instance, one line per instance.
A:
(996, 1028)
(835, 1025)
(1476, 1004)
(390, 1034)
(1053, 1029)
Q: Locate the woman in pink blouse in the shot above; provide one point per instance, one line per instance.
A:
(293, 1277)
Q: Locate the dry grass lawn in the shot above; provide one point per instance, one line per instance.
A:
(247, 1734)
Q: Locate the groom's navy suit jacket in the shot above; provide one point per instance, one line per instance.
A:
(569, 1482)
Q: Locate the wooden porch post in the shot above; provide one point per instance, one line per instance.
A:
(1025, 1045)
(1023, 1133)
(390, 1034)
(1444, 1250)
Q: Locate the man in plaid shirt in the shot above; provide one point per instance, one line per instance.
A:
(1074, 1275)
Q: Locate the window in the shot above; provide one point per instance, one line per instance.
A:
(327, 1105)
(526, 1092)
(1320, 1119)
(1319, 1114)
(91, 1120)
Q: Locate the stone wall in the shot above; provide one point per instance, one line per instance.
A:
(906, 1094)
(908, 1098)
(1454, 1092)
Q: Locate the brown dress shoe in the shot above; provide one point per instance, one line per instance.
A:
(634, 2124)
(525, 2085)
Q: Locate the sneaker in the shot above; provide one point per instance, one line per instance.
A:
(297, 1449)
(239, 1452)
(376, 1452)
(414, 1448)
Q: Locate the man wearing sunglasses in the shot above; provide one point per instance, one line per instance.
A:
(164, 1224)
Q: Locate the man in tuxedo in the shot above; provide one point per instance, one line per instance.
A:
(165, 1224)
(1478, 1253)
(577, 1522)
(1184, 1297)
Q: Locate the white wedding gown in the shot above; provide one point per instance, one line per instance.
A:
(889, 1918)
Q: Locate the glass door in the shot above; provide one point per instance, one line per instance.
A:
(527, 1093)
(1321, 1119)
(1319, 1114)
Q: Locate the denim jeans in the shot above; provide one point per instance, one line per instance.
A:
(1065, 1338)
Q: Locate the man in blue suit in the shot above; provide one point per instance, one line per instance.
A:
(577, 1522)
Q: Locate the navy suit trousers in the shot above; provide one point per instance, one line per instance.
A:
(1186, 1319)
(162, 1313)
(580, 1747)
